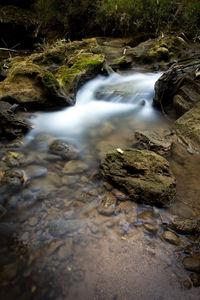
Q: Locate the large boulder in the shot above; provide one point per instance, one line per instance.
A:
(179, 88)
(50, 79)
(142, 174)
(160, 49)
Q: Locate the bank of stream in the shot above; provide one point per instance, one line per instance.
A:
(57, 243)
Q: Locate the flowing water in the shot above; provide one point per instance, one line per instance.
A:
(62, 246)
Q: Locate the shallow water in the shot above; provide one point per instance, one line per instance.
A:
(63, 247)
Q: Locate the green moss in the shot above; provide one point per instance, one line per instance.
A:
(80, 63)
(167, 48)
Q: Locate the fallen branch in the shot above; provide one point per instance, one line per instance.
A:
(9, 50)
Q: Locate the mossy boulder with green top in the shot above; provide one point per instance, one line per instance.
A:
(142, 174)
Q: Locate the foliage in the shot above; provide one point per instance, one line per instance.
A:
(80, 18)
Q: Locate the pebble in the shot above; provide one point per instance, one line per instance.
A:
(33, 221)
(36, 171)
(68, 180)
(75, 167)
(192, 263)
(66, 250)
(195, 278)
(150, 228)
(171, 238)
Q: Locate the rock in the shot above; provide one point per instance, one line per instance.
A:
(35, 171)
(31, 86)
(13, 159)
(167, 47)
(178, 88)
(11, 125)
(150, 228)
(33, 221)
(187, 127)
(69, 180)
(195, 278)
(108, 206)
(158, 142)
(142, 174)
(146, 215)
(50, 79)
(75, 167)
(192, 263)
(62, 227)
(171, 238)
(66, 250)
(185, 226)
(63, 149)
(15, 178)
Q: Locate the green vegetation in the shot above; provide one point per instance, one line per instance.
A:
(76, 19)
(80, 18)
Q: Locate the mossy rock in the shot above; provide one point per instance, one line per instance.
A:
(167, 48)
(142, 174)
(80, 65)
(30, 85)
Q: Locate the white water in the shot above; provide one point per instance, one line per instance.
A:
(72, 123)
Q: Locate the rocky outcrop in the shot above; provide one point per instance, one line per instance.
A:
(179, 87)
(142, 174)
(51, 78)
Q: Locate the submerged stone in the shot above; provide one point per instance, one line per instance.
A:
(171, 238)
(64, 149)
(142, 174)
(192, 263)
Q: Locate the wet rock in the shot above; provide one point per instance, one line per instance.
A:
(171, 238)
(195, 278)
(11, 125)
(146, 215)
(33, 221)
(66, 250)
(150, 228)
(54, 246)
(108, 206)
(12, 159)
(14, 178)
(31, 86)
(36, 171)
(142, 174)
(64, 149)
(75, 167)
(158, 141)
(187, 284)
(69, 180)
(185, 226)
(188, 127)
(178, 88)
(62, 227)
(192, 263)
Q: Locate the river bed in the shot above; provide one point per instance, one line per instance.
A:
(56, 243)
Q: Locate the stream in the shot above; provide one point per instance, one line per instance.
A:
(56, 243)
